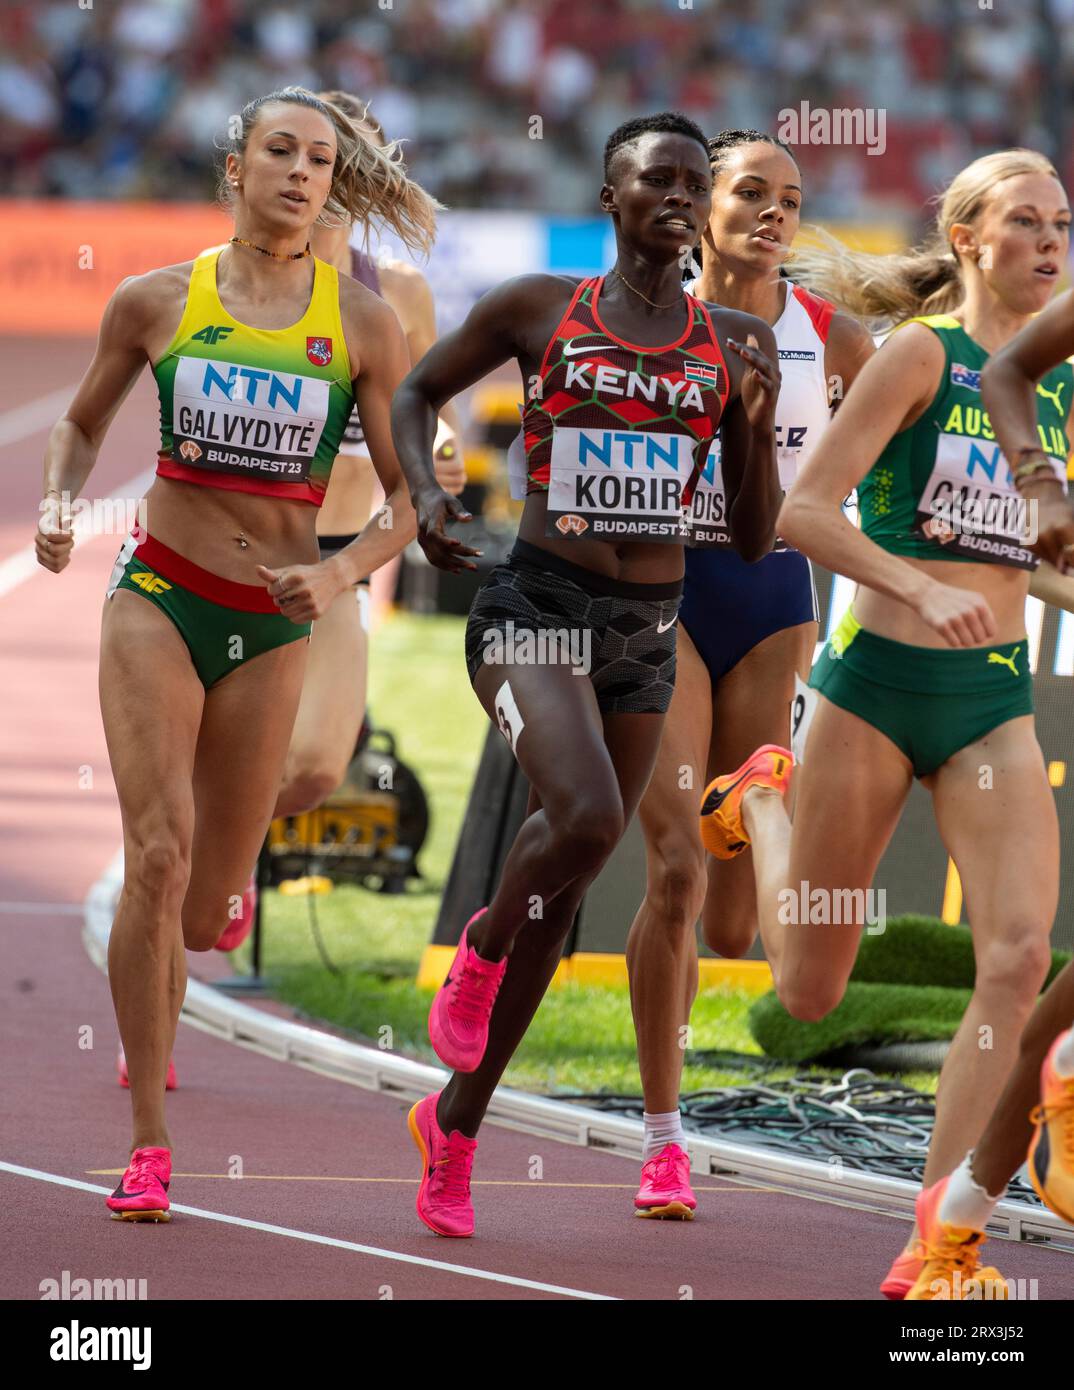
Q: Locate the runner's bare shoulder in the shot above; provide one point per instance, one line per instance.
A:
(517, 311)
(143, 304)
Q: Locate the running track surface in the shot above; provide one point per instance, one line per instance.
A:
(321, 1158)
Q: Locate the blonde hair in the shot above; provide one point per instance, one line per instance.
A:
(926, 280)
(369, 182)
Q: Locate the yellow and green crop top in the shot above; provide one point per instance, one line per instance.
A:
(254, 409)
(942, 490)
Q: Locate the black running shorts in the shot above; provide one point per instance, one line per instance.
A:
(540, 609)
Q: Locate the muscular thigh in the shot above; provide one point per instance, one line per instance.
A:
(245, 731)
(996, 814)
(669, 806)
(332, 705)
(751, 705)
(552, 722)
(151, 706)
(852, 787)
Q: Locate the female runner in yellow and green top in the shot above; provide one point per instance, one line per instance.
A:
(259, 351)
(928, 674)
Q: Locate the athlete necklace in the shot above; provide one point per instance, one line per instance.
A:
(645, 297)
(276, 255)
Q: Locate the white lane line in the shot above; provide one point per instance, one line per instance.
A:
(465, 1270)
(25, 420)
(17, 568)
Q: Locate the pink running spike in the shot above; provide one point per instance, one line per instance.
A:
(444, 1193)
(665, 1186)
(142, 1194)
(170, 1084)
(460, 1013)
(240, 927)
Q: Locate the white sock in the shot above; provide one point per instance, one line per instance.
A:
(661, 1130)
(1064, 1055)
(966, 1203)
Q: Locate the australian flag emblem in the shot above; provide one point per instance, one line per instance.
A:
(962, 376)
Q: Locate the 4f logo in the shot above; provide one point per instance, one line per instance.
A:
(212, 333)
(151, 583)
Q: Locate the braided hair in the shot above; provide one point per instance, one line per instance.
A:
(718, 147)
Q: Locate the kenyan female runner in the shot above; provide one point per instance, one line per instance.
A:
(745, 631)
(627, 381)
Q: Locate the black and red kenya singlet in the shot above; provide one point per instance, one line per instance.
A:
(614, 431)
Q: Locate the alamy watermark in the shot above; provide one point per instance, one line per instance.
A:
(1013, 518)
(834, 907)
(77, 1343)
(75, 1287)
(557, 646)
(96, 516)
(858, 125)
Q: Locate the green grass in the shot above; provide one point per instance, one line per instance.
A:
(582, 1039)
(915, 950)
(879, 1013)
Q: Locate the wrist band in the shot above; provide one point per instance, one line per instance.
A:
(1031, 468)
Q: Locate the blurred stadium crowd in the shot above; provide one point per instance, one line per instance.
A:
(122, 98)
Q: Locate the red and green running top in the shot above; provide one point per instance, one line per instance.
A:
(592, 380)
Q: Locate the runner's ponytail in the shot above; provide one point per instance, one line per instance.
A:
(927, 280)
(370, 185)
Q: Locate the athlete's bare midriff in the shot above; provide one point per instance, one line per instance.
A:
(1004, 587)
(635, 562)
(203, 524)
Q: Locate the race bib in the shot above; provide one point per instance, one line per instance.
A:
(707, 515)
(971, 507)
(803, 708)
(228, 418)
(618, 484)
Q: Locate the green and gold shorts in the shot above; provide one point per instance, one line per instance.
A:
(224, 624)
(929, 701)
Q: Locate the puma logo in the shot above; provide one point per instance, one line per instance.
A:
(1052, 396)
(994, 659)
